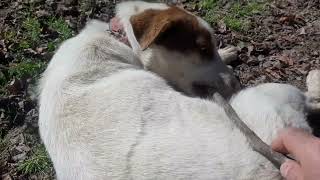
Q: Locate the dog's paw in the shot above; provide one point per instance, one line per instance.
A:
(313, 93)
(228, 54)
(313, 83)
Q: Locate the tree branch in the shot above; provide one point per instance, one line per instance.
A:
(254, 141)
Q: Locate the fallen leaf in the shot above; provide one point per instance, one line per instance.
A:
(291, 20)
(15, 86)
(285, 59)
(273, 73)
(302, 31)
(222, 27)
(250, 49)
(7, 177)
(39, 50)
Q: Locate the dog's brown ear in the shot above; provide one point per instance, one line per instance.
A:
(151, 24)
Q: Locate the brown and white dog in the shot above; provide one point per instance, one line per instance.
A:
(102, 116)
(178, 46)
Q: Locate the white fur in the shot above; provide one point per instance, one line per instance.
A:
(313, 83)
(102, 117)
(313, 93)
(182, 70)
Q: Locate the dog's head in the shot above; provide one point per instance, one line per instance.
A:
(178, 46)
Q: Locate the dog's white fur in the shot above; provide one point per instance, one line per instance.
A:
(313, 93)
(313, 83)
(178, 67)
(103, 117)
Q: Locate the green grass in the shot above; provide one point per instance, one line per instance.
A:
(26, 68)
(3, 78)
(236, 24)
(29, 33)
(3, 144)
(38, 162)
(51, 46)
(208, 4)
(22, 68)
(61, 27)
(32, 31)
(236, 17)
(250, 9)
(9, 35)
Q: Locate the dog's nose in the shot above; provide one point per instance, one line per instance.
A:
(202, 90)
(236, 86)
(228, 85)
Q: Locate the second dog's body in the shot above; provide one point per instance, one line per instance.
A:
(103, 117)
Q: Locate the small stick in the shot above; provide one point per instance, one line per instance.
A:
(254, 141)
(3, 67)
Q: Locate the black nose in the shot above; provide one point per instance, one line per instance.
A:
(202, 90)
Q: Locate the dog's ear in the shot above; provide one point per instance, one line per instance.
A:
(152, 25)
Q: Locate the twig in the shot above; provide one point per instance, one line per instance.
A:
(3, 67)
(254, 141)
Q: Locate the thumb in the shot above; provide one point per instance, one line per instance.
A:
(291, 170)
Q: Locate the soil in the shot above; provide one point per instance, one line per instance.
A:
(281, 46)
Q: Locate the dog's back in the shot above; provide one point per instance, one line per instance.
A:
(72, 88)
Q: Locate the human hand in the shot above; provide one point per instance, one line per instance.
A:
(305, 149)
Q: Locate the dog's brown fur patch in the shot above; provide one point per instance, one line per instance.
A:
(173, 28)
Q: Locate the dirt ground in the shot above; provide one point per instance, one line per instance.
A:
(280, 45)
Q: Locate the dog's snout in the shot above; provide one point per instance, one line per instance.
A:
(230, 85)
(202, 89)
(227, 87)
(236, 86)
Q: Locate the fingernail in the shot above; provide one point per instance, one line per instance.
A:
(284, 169)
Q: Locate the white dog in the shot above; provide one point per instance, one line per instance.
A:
(102, 116)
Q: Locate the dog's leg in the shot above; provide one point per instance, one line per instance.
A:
(313, 101)
(228, 54)
(283, 103)
(313, 93)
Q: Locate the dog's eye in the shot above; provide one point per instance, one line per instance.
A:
(203, 45)
(204, 51)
